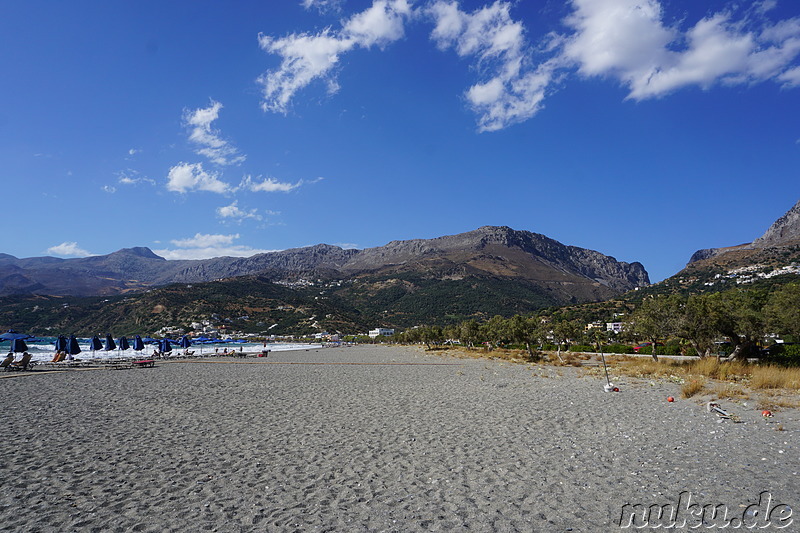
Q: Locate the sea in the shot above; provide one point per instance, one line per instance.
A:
(43, 349)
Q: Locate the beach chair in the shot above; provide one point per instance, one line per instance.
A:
(7, 361)
(22, 364)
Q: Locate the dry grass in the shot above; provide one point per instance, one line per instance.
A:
(729, 390)
(776, 404)
(775, 377)
(692, 387)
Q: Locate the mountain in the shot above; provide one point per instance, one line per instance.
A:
(772, 258)
(477, 274)
(492, 251)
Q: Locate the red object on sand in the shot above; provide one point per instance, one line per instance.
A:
(670, 399)
(766, 413)
(615, 389)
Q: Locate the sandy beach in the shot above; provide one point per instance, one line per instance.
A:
(373, 439)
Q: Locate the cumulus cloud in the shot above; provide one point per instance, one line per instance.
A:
(628, 40)
(68, 249)
(624, 40)
(186, 177)
(307, 57)
(205, 246)
(234, 213)
(513, 89)
(110, 189)
(212, 145)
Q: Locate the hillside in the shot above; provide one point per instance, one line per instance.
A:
(773, 258)
(488, 271)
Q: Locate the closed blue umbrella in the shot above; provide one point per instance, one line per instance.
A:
(95, 344)
(164, 346)
(72, 346)
(18, 345)
(184, 342)
(123, 343)
(110, 344)
(61, 343)
(138, 344)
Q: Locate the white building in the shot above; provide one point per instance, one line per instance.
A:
(381, 332)
(616, 327)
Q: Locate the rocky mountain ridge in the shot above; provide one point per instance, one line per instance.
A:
(782, 233)
(488, 251)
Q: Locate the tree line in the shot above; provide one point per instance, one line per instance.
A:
(744, 319)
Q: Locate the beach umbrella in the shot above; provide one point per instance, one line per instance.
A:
(110, 344)
(61, 343)
(18, 345)
(11, 335)
(138, 344)
(123, 344)
(164, 346)
(95, 344)
(72, 346)
(184, 342)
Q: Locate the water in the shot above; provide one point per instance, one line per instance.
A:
(44, 349)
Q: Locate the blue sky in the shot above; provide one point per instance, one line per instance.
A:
(643, 129)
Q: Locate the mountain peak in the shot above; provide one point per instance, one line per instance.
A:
(139, 251)
(786, 229)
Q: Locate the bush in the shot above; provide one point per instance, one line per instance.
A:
(581, 348)
(618, 348)
(670, 349)
(784, 354)
(690, 351)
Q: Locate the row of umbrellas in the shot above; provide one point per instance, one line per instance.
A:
(70, 344)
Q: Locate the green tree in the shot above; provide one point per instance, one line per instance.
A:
(782, 311)
(469, 332)
(654, 319)
(696, 324)
(739, 315)
(522, 330)
(565, 332)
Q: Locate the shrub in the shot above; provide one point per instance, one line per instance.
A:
(581, 348)
(692, 387)
(618, 348)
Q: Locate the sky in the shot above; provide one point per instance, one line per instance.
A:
(643, 129)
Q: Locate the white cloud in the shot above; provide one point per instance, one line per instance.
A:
(205, 246)
(268, 185)
(628, 39)
(323, 6)
(133, 151)
(212, 146)
(132, 177)
(791, 78)
(68, 249)
(233, 212)
(307, 57)
(513, 89)
(109, 189)
(185, 177)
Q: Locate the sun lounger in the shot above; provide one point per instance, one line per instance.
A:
(144, 363)
(22, 364)
(7, 361)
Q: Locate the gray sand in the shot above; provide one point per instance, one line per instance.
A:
(435, 445)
